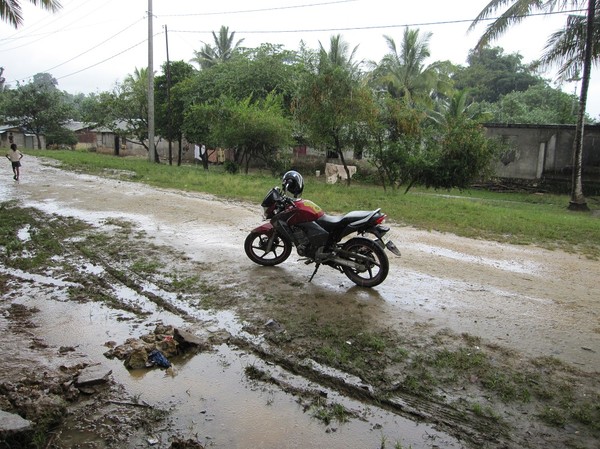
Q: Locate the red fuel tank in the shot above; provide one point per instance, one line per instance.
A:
(305, 211)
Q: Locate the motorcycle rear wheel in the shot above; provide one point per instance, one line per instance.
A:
(368, 253)
(256, 249)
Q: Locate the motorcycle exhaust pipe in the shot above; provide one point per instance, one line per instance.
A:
(348, 263)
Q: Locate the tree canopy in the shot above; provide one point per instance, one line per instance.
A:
(38, 107)
(490, 74)
(406, 113)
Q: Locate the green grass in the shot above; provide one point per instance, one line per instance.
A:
(518, 218)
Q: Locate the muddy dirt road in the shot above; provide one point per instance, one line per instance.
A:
(533, 301)
(540, 302)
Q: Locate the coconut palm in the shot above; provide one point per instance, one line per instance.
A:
(573, 55)
(222, 51)
(457, 107)
(338, 55)
(11, 11)
(566, 47)
(403, 73)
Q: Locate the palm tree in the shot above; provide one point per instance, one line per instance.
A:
(332, 100)
(457, 107)
(339, 55)
(222, 51)
(11, 12)
(403, 72)
(579, 52)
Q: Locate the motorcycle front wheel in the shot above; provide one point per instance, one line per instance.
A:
(369, 255)
(256, 249)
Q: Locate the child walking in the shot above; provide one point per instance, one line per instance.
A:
(15, 158)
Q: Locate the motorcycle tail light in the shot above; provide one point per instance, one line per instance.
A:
(381, 219)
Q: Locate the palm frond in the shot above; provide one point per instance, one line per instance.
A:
(11, 11)
(514, 14)
(566, 48)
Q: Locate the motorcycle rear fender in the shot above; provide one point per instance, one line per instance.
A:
(379, 231)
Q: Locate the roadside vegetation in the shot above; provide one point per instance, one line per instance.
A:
(419, 123)
(521, 218)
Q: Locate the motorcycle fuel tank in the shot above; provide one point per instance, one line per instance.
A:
(305, 211)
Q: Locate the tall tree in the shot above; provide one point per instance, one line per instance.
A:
(254, 130)
(222, 51)
(11, 11)
(331, 100)
(516, 11)
(403, 72)
(170, 104)
(338, 55)
(491, 73)
(540, 105)
(38, 107)
(256, 72)
(125, 110)
(459, 106)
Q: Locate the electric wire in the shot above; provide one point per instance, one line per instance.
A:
(54, 19)
(374, 27)
(107, 59)
(96, 46)
(257, 10)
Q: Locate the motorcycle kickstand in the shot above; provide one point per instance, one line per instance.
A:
(314, 272)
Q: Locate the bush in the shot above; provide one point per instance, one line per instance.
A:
(60, 138)
(231, 167)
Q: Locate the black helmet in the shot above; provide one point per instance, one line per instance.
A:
(292, 182)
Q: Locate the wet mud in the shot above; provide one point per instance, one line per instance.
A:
(256, 388)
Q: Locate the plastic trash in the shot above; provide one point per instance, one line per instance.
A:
(157, 358)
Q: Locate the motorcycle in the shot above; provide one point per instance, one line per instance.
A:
(318, 237)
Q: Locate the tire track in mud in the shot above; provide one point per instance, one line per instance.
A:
(119, 276)
(477, 431)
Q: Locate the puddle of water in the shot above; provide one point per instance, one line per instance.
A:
(209, 396)
(23, 234)
(90, 268)
(95, 218)
(46, 280)
(506, 265)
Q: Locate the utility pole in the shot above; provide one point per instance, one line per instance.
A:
(169, 118)
(151, 147)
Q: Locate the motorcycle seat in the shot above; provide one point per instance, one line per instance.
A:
(331, 222)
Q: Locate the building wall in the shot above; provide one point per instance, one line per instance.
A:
(22, 140)
(535, 151)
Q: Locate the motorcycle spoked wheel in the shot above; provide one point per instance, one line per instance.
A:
(256, 249)
(366, 252)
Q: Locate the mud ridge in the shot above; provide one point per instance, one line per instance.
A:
(477, 431)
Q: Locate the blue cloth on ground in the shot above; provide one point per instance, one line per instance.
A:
(157, 358)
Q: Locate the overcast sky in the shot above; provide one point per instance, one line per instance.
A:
(92, 44)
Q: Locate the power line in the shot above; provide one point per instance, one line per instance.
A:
(107, 59)
(93, 65)
(433, 23)
(52, 18)
(375, 27)
(94, 47)
(41, 36)
(257, 10)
